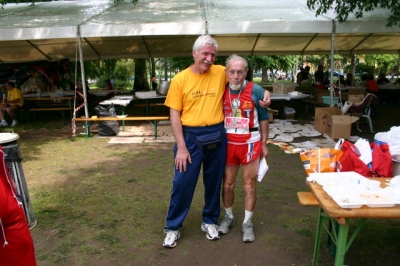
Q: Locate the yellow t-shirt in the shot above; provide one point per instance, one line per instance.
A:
(198, 96)
(13, 94)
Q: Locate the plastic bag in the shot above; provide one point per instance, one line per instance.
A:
(105, 110)
(320, 160)
(107, 128)
(350, 160)
(381, 159)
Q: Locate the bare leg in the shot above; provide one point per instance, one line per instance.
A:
(229, 185)
(249, 184)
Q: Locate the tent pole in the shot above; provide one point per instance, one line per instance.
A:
(332, 67)
(83, 72)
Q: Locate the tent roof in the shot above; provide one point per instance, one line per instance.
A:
(152, 28)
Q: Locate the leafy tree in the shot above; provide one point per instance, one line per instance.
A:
(382, 63)
(345, 7)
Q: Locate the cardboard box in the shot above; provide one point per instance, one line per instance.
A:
(271, 114)
(277, 88)
(331, 121)
(283, 88)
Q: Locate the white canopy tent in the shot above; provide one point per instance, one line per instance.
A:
(106, 30)
(50, 30)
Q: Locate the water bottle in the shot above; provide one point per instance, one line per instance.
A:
(4, 96)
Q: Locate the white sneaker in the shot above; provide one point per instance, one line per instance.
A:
(3, 123)
(211, 231)
(171, 238)
(14, 123)
(225, 225)
(248, 232)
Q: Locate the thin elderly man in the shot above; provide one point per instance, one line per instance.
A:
(195, 101)
(246, 124)
(11, 104)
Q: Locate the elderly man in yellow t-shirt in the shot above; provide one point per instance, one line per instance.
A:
(13, 102)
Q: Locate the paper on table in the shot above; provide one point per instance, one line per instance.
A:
(262, 169)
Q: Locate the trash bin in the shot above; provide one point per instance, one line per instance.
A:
(396, 164)
(107, 128)
(12, 157)
(289, 112)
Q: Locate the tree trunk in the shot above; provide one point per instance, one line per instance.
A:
(264, 75)
(166, 69)
(141, 82)
(249, 76)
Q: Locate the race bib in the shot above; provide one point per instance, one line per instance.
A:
(237, 125)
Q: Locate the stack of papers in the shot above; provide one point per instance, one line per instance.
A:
(352, 190)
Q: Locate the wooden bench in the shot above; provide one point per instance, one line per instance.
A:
(49, 104)
(307, 198)
(152, 119)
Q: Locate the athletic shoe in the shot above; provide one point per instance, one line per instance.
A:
(226, 224)
(3, 124)
(171, 238)
(211, 231)
(14, 123)
(248, 232)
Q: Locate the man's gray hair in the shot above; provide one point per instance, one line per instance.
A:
(235, 57)
(204, 40)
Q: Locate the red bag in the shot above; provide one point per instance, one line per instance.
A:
(381, 159)
(350, 160)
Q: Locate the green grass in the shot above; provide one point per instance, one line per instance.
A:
(102, 204)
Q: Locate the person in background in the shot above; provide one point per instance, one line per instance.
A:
(305, 75)
(349, 80)
(112, 83)
(109, 85)
(154, 84)
(371, 85)
(195, 101)
(246, 124)
(382, 79)
(319, 75)
(11, 104)
(364, 79)
(340, 81)
(298, 75)
(306, 79)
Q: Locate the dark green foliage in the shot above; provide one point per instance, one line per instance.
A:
(345, 7)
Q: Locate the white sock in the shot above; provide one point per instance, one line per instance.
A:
(229, 212)
(247, 216)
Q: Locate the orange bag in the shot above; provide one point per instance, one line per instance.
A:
(320, 160)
